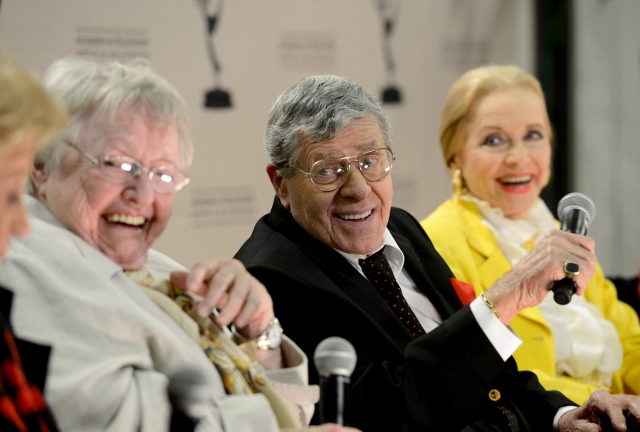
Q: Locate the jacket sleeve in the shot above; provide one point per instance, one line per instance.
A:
(290, 382)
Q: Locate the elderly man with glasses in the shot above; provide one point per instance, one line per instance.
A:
(127, 325)
(338, 260)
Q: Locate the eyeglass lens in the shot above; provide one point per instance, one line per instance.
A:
(329, 174)
(164, 179)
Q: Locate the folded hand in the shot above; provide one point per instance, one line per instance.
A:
(227, 286)
(614, 409)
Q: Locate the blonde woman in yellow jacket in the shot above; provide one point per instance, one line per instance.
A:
(495, 137)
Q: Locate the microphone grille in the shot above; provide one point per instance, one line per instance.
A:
(577, 200)
(335, 356)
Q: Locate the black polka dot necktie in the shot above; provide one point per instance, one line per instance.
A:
(510, 422)
(376, 268)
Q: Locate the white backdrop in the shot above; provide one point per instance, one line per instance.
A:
(606, 126)
(265, 46)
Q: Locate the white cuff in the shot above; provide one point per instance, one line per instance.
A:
(501, 337)
(559, 414)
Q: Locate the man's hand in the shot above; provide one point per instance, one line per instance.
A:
(227, 286)
(601, 405)
(527, 284)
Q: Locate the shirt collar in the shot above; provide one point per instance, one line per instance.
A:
(392, 252)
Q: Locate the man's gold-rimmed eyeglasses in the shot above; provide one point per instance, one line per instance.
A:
(165, 179)
(328, 175)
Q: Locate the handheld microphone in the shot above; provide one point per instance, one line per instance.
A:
(575, 211)
(334, 358)
(190, 392)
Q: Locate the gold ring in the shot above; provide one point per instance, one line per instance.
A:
(571, 270)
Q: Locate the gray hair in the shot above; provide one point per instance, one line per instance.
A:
(315, 110)
(92, 91)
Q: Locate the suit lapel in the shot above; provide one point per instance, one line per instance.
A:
(364, 297)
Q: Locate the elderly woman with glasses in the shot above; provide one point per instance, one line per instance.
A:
(126, 322)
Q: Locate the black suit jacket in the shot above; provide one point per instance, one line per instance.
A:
(438, 382)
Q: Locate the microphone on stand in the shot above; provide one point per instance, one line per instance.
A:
(335, 359)
(575, 211)
(190, 392)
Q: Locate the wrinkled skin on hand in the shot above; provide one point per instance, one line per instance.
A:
(227, 286)
(601, 405)
(530, 280)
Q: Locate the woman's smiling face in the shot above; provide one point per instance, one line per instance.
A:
(121, 220)
(506, 156)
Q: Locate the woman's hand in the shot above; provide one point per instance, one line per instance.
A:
(530, 280)
(226, 285)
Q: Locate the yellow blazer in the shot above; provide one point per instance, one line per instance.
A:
(474, 256)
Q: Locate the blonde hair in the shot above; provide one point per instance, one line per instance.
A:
(465, 95)
(25, 107)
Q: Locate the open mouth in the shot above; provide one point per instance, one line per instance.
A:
(515, 181)
(128, 220)
(355, 217)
